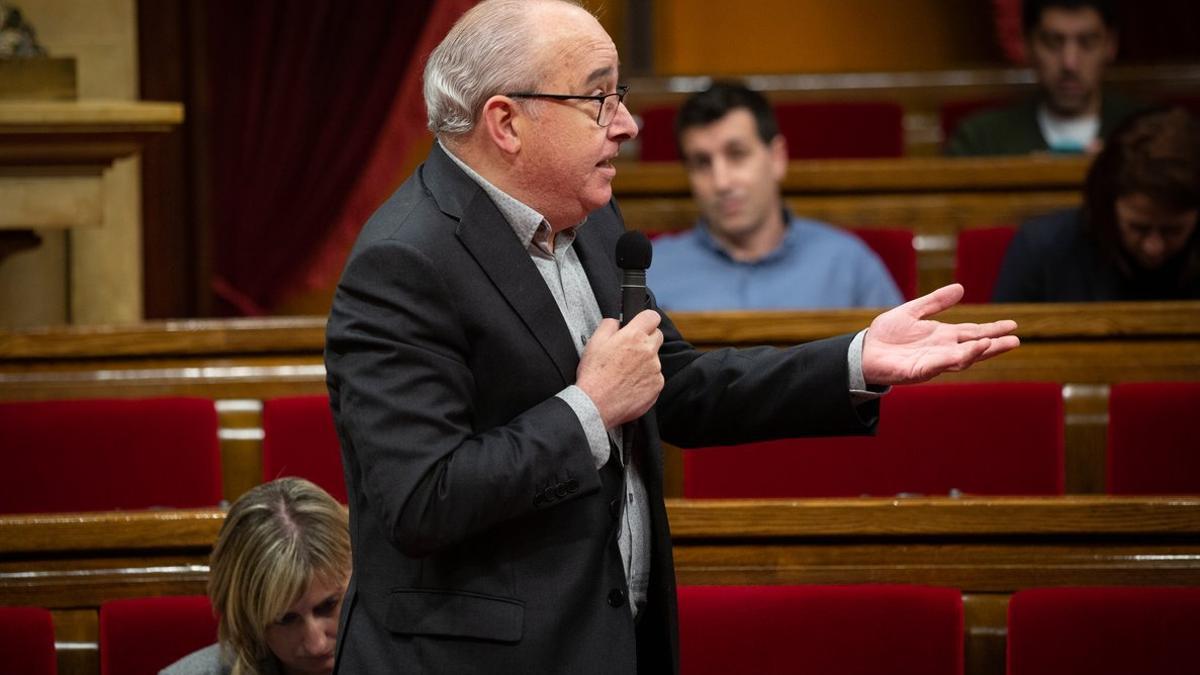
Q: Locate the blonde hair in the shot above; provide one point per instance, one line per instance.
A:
(276, 540)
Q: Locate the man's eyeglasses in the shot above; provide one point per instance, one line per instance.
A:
(608, 102)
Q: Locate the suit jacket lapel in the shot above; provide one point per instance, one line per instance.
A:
(489, 238)
(601, 271)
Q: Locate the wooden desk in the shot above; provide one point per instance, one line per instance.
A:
(987, 547)
(935, 197)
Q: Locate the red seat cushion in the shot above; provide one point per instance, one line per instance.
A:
(1152, 447)
(978, 259)
(27, 641)
(980, 438)
(299, 439)
(895, 248)
(832, 630)
(102, 454)
(141, 636)
(1083, 631)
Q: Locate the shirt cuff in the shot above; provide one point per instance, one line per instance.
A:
(859, 391)
(590, 420)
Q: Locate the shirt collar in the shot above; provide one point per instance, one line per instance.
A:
(790, 238)
(532, 228)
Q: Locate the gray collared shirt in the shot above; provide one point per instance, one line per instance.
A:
(556, 260)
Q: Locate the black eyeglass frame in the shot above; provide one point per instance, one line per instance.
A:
(622, 90)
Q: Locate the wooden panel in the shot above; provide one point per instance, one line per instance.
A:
(77, 637)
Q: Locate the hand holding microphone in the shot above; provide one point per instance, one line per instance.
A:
(619, 369)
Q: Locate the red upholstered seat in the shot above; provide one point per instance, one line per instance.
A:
(895, 248)
(141, 636)
(1152, 446)
(978, 259)
(1084, 631)
(813, 129)
(27, 641)
(832, 630)
(104, 454)
(299, 439)
(980, 438)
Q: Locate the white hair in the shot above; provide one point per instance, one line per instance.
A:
(487, 52)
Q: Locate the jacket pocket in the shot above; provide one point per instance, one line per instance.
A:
(455, 614)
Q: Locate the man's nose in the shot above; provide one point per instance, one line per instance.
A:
(1071, 55)
(722, 175)
(623, 127)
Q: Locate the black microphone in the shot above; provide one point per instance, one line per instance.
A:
(633, 257)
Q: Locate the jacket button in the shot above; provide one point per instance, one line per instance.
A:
(572, 485)
(616, 597)
(561, 490)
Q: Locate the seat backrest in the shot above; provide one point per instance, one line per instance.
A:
(1152, 447)
(813, 129)
(978, 259)
(1083, 631)
(833, 630)
(27, 641)
(979, 438)
(895, 248)
(299, 439)
(107, 454)
(141, 636)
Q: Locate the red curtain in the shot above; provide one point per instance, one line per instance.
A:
(298, 95)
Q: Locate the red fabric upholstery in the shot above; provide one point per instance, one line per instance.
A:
(979, 256)
(1152, 446)
(27, 641)
(141, 636)
(832, 630)
(101, 454)
(980, 438)
(813, 129)
(1084, 631)
(954, 112)
(895, 248)
(299, 440)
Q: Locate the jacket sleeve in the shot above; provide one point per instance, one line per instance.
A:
(402, 389)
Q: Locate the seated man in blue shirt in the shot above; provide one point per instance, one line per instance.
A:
(748, 251)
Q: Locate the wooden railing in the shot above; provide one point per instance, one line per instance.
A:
(987, 547)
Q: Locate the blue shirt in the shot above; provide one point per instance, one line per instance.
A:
(815, 266)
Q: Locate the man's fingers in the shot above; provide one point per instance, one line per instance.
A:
(975, 331)
(999, 346)
(646, 321)
(606, 329)
(932, 303)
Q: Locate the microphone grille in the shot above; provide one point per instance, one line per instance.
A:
(633, 251)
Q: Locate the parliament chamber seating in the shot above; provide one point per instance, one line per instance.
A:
(1083, 631)
(997, 438)
(978, 258)
(1152, 443)
(952, 113)
(833, 630)
(108, 454)
(27, 641)
(299, 439)
(141, 636)
(895, 249)
(813, 129)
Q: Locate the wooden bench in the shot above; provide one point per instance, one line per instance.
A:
(987, 547)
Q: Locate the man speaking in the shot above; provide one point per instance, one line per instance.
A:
(499, 428)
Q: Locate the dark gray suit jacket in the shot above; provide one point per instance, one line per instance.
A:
(484, 537)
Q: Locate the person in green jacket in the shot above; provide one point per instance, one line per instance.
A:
(1069, 43)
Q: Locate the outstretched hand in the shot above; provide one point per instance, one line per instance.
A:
(902, 346)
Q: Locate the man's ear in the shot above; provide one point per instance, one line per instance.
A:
(779, 156)
(498, 122)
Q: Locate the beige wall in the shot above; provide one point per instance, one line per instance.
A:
(100, 268)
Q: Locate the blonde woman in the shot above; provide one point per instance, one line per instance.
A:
(278, 573)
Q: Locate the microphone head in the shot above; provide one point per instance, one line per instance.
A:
(633, 251)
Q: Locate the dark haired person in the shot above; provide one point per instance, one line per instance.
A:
(1135, 237)
(748, 251)
(1069, 43)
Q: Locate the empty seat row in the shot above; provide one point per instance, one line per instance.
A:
(974, 438)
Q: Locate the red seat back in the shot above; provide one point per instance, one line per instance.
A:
(299, 439)
(813, 129)
(27, 641)
(1083, 631)
(1152, 446)
(980, 438)
(141, 636)
(978, 259)
(895, 248)
(832, 630)
(105, 454)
